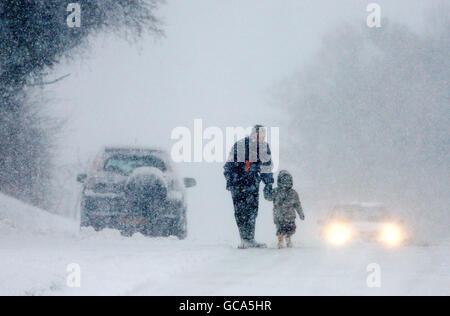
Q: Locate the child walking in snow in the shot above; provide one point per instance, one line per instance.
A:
(285, 203)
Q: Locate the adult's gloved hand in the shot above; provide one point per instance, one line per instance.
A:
(268, 192)
(302, 216)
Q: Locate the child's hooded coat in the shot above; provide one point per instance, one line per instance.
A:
(285, 199)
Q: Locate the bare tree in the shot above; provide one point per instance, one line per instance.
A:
(34, 37)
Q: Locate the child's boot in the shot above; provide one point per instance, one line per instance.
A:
(280, 242)
(289, 242)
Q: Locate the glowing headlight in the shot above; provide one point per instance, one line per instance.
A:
(338, 234)
(391, 235)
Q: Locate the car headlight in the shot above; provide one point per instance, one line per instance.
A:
(391, 235)
(338, 234)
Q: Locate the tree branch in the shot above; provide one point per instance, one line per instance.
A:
(48, 82)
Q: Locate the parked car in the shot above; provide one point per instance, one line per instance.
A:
(362, 221)
(134, 190)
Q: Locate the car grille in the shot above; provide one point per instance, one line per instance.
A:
(108, 188)
(104, 205)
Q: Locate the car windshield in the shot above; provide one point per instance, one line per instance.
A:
(355, 213)
(125, 164)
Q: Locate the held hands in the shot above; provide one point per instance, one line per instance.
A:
(268, 192)
(301, 215)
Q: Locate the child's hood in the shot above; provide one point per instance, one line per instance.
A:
(285, 180)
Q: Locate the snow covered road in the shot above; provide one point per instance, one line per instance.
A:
(36, 249)
(113, 265)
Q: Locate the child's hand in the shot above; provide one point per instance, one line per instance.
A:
(302, 216)
(268, 192)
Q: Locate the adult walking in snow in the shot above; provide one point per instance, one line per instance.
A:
(249, 163)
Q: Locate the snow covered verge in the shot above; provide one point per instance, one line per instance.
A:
(17, 217)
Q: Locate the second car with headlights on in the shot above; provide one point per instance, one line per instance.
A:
(362, 221)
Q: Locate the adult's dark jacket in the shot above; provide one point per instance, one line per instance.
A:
(249, 163)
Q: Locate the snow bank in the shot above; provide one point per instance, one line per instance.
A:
(18, 217)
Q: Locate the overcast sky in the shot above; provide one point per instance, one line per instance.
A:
(217, 62)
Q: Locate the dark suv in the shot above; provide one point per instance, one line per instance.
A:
(134, 190)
